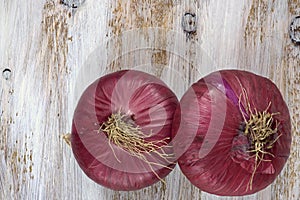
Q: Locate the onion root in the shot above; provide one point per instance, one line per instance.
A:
(122, 131)
(261, 129)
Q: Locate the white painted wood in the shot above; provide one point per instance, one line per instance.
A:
(54, 52)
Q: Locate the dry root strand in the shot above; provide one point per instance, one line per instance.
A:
(122, 131)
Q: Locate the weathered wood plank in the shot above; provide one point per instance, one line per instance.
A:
(54, 52)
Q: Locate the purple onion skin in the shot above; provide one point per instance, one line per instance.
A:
(226, 166)
(151, 105)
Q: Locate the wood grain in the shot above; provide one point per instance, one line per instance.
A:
(55, 51)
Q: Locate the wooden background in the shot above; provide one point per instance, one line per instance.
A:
(54, 51)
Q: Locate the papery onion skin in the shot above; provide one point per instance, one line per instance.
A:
(106, 96)
(225, 168)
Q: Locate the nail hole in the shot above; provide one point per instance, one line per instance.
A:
(72, 3)
(6, 73)
(295, 30)
(189, 24)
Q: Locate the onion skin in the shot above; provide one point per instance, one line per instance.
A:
(217, 159)
(151, 105)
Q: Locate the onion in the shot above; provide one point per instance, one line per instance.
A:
(235, 131)
(121, 130)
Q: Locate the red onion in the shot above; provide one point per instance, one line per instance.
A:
(121, 130)
(235, 131)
